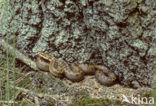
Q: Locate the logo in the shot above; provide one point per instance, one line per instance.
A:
(138, 100)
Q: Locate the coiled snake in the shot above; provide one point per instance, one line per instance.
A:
(74, 72)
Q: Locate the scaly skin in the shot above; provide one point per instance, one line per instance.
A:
(74, 72)
(57, 68)
(42, 64)
(105, 76)
(88, 69)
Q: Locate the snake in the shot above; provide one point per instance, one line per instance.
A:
(74, 72)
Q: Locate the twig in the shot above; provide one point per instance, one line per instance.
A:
(18, 55)
(11, 102)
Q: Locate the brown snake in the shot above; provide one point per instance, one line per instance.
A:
(74, 72)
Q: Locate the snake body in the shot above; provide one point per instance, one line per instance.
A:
(74, 72)
(42, 64)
